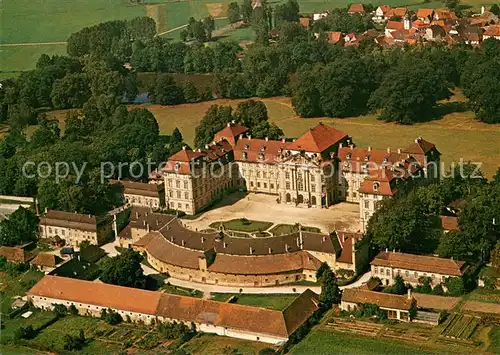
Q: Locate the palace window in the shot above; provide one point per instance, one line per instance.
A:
(271, 186)
(265, 185)
(169, 182)
(300, 185)
(287, 185)
(287, 175)
(178, 194)
(258, 184)
(186, 195)
(313, 188)
(185, 184)
(312, 178)
(376, 186)
(177, 184)
(170, 194)
(367, 204)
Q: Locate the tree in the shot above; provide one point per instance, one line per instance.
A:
(111, 317)
(212, 122)
(323, 268)
(330, 291)
(190, 92)
(72, 342)
(20, 228)
(454, 244)
(288, 11)
(166, 91)
(438, 290)
(124, 270)
(495, 9)
(233, 12)
(209, 26)
(246, 10)
(71, 91)
(251, 112)
(73, 310)
(47, 133)
(455, 286)
(399, 287)
(60, 310)
(27, 332)
(451, 4)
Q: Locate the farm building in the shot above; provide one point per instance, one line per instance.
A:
(227, 319)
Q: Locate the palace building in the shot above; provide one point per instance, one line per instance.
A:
(320, 168)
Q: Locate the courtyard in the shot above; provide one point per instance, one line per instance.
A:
(261, 207)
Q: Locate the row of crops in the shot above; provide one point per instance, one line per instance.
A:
(460, 326)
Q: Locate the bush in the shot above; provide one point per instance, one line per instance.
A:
(245, 221)
(60, 310)
(111, 317)
(74, 342)
(25, 333)
(73, 310)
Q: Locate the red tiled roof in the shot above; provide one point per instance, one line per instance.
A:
(13, 254)
(228, 315)
(44, 259)
(259, 150)
(423, 263)
(139, 188)
(395, 25)
(379, 183)
(420, 24)
(304, 21)
(449, 223)
(398, 11)
(356, 8)
(318, 139)
(357, 157)
(347, 241)
(420, 146)
(384, 8)
(97, 293)
(385, 300)
(230, 133)
(69, 220)
(333, 37)
(492, 31)
(423, 13)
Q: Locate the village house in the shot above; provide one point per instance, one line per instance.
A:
(449, 223)
(492, 32)
(356, 9)
(74, 228)
(387, 265)
(45, 261)
(14, 254)
(143, 194)
(380, 14)
(425, 15)
(221, 318)
(397, 306)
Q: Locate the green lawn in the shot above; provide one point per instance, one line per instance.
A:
(280, 229)
(36, 320)
(323, 342)
(494, 341)
(182, 291)
(17, 59)
(210, 344)
(240, 226)
(271, 301)
(16, 286)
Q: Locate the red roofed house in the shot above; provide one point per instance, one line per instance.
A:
(305, 22)
(393, 26)
(397, 306)
(380, 13)
(387, 265)
(14, 254)
(222, 318)
(449, 223)
(492, 32)
(356, 9)
(425, 15)
(396, 12)
(334, 37)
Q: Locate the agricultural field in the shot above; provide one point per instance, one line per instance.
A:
(484, 295)
(460, 326)
(327, 342)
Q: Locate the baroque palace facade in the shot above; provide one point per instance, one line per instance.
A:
(320, 168)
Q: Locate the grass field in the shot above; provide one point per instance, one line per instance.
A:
(344, 343)
(208, 344)
(272, 301)
(16, 286)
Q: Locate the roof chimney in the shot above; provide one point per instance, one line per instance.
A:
(183, 147)
(249, 136)
(369, 149)
(241, 136)
(351, 146)
(286, 248)
(400, 150)
(202, 240)
(267, 139)
(183, 242)
(341, 145)
(388, 149)
(224, 244)
(283, 140)
(229, 124)
(270, 251)
(409, 294)
(251, 251)
(386, 250)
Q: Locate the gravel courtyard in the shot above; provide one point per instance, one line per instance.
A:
(261, 207)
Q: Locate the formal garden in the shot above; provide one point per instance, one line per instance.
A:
(245, 228)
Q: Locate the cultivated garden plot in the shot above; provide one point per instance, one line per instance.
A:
(352, 326)
(460, 326)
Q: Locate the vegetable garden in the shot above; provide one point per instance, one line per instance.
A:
(460, 326)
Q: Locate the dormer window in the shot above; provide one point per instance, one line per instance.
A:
(367, 157)
(263, 149)
(348, 156)
(247, 146)
(376, 186)
(177, 166)
(245, 155)
(261, 156)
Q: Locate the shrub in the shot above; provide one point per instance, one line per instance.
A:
(25, 333)
(60, 310)
(74, 342)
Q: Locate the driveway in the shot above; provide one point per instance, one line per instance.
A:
(261, 207)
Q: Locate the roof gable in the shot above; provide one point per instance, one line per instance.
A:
(318, 139)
